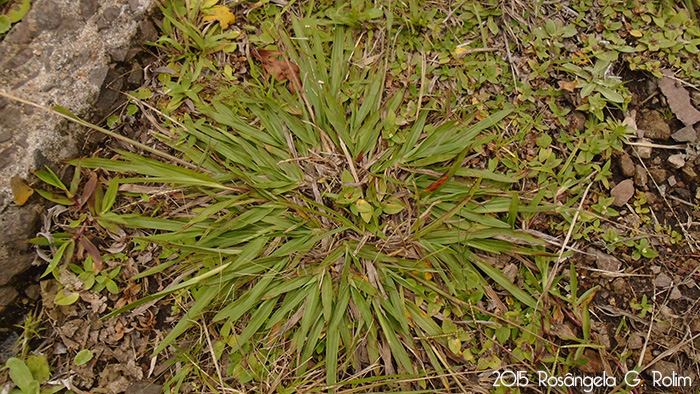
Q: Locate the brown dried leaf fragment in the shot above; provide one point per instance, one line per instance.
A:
(93, 252)
(281, 70)
(678, 99)
(89, 189)
(20, 190)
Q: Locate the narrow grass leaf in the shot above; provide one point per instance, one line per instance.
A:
(204, 298)
(186, 284)
(501, 279)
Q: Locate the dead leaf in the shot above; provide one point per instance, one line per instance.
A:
(89, 189)
(20, 190)
(563, 331)
(367, 61)
(222, 14)
(594, 366)
(436, 185)
(281, 70)
(678, 99)
(569, 86)
(93, 252)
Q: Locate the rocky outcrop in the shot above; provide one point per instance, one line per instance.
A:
(76, 54)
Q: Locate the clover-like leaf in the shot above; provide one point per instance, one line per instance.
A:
(83, 357)
(365, 209)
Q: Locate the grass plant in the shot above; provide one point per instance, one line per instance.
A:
(358, 231)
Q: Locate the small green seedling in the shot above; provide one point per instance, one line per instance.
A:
(643, 307)
(29, 375)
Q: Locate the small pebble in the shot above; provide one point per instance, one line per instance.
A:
(623, 192)
(627, 165)
(644, 152)
(605, 261)
(672, 181)
(635, 342)
(640, 176)
(677, 160)
(663, 281)
(689, 174)
(659, 175)
(675, 294)
(686, 134)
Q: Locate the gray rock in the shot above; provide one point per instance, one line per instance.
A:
(33, 292)
(48, 59)
(644, 152)
(7, 295)
(635, 342)
(15, 265)
(677, 160)
(17, 225)
(640, 176)
(659, 175)
(605, 261)
(663, 281)
(622, 192)
(665, 368)
(675, 294)
(620, 286)
(627, 165)
(8, 346)
(688, 173)
(88, 8)
(686, 134)
(5, 135)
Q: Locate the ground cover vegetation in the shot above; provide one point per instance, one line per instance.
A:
(378, 197)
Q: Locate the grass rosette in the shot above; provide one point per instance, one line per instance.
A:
(328, 232)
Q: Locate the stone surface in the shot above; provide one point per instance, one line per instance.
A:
(640, 176)
(675, 294)
(688, 173)
(644, 151)
(14, 265)
(8, 345)
(659, 175)
(627, 165)
(672, 181)
(17, 225)
(663, 280)
(57, 56)
(654, 125)
(7, 295)
(622, 192)
(666, 368)
(635, 341)
(620, 286)
(605, 261)
(677, 160)
(686, 134)
(33, 292)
